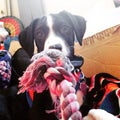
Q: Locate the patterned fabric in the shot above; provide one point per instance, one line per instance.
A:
(102, 94)
(5, 68)
(101, 85)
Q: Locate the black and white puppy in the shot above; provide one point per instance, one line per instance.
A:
(58, 31)
(55, 31)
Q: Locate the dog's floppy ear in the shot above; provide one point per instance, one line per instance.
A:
(78, 23)
(26, 38)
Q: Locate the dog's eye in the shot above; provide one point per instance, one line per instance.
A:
(66, 29)
(40, 34)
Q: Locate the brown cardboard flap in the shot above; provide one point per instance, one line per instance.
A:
(101, 52)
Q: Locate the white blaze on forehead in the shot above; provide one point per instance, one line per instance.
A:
(53, 38)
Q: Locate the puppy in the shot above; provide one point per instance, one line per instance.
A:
(55, 31)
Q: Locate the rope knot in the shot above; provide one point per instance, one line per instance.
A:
(52, 69)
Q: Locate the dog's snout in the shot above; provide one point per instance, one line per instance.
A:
(56, 46)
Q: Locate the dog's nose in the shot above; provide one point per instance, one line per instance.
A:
(56, 46)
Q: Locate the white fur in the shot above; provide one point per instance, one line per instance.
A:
(117, 93)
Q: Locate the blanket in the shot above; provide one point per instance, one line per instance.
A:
(103, 92)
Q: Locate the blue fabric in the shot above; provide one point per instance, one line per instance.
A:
(8, 41)
(81, 78)
(110, 103)
(29, 100)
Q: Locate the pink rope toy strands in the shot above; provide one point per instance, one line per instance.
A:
(51, 69)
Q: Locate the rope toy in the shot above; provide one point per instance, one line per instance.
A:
(51, 69)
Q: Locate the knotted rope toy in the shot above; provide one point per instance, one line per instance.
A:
(51, 69)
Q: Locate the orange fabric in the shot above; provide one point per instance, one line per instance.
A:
(1, 46)
(109, 87)
(31, 93)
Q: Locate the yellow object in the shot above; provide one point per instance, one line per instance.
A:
(14, 46)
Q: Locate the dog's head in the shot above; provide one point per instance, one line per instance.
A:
(55, 31)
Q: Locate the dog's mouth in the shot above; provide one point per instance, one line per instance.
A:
(56, 46)
(62, 48)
